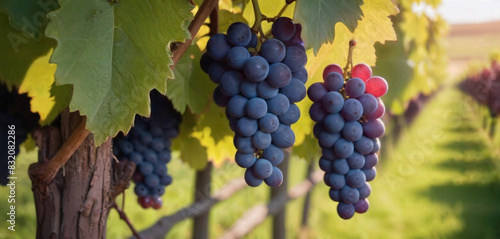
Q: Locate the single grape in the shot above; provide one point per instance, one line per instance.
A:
(352, 110)
(273, 50)
(278, 105)
(266, 90)
(237, 105)
(337, 181)
(269, 123)
(376, 145)
(216, 70)
(251, 179)
(362, 205)
(325, 165)
(262, 168)
(373, 128)
(141, 190)
(370, 161)
(136, 158)
(245, 160)
(328, 153)
(296, 39)
(340, 166)
(126, 147)
(317, 91)
(146, 137)
(317, 112)
(283, 137)
(276, 178)
(327, 140)
(354, 87)
(369, 103)
(160, 169)
(157, 192)
(237, 56)
(247, 126)
(273, 154)
(365, 190)
(244, 144)
(333, 102)
(146, 168)
(295, 91)
(157, 202)
(283, 29)
(343, 148)
(355, 178)
(261, 140)
(356, 160)
(256, 68)
(230, 83)
(158, 144)
(218, 46)
(334, 195)
(295, 58)
(253, 41)
(145, 201)
(333, 123)
(301, 75)
(345, 211)
(219, 98)
(370, 174)
(205, 62)
(152, 180)
(362, 71)
(279, 75)
(352, 131)
(256, 108)
(364, 145)
(379, 112)
(248, 89)
(239, 34)
(377, 86)
(165, 156)
(165, 180)
(291, 116)
(349, 195)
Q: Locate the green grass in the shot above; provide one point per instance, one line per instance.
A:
(441, 180)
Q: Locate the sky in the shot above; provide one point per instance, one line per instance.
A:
(470, 11)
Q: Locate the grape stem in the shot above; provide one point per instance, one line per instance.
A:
(352, 44)
(258, 17)
(124, 217)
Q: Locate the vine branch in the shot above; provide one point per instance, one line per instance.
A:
(199, 19)
(124, 217)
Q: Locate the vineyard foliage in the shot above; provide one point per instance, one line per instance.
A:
(103, 58)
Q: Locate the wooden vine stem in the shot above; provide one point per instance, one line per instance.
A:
(43, 173)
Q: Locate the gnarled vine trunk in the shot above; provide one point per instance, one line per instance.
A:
(75, 204)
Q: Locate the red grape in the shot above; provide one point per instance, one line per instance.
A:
(377, 86)
(378, 112)
(362, 71)
(332, 68)
(145, 202)
(157, 203)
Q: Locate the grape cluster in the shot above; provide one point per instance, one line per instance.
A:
(148, 146)
(347, 115)
(260, 91)
(15, 110)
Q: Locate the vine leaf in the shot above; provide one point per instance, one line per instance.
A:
(114, 55)
(319, 17)
(191, 87)
(25, 65)
(191, 150)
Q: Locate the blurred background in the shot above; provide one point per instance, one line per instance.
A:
(439, 168)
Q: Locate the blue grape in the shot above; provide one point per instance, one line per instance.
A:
(343, 148)
(261, 140)
(345, 211)
(365, 190)
(219, 98)
(333, 123)
(333, 102)
(248, 89)
(262, 168)
(283, 137)
(295, 90)
(273, 154)
(279, 75)
(152, 180)
(337, 181)
(373, 128)
(369, 103)
(251, 179)
(362, 205)
(295, 58)
(236, 106)
(376, 145)
(325, 165)
(256, 108)
(291, 116)
(352, 131)
(256, 68)
(165, 180)
(158, 144)
(334, 195)
(239, 34)
(278, 105)
(233, 122)
(245, 160)
(136, 158)
(276, 178)
(218, 46)
(125, 147)
(283, 29)
(370, 173)
(141, 190)
(317, 91)
(230, 83)
(349, 195)
(301, 75)
(317, 129)
(340, 166)
(354, 87)
(146, 168)
(370, 161)
(355, 178)
(269, 123)
(317, 112)
(205, 62)
(151, 156)
(165, 156)
(244, 144)
(253, 41)
(157, 191)
(352, 110)
(266, 90)
(160, 168)
(296, 39)
(327, 140)
(273, 50)
(364, 145)
(237, 56)
(334, 81)
(328, 153)
(145, 137)
(356, 160)
(247, 126)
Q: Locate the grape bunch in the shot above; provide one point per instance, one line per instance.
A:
(259, 92)
(347, 114)
(148, 146)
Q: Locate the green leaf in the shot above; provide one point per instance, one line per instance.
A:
(191, 150)
(28, 16)
(25, 65)
(215, 119)
(114, 55)
(191, 87)
(319, 17)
